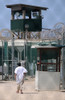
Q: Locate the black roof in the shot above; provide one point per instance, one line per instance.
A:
(26, 6)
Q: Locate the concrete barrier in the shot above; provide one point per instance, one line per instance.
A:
(47, 80)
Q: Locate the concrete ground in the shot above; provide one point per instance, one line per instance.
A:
(8, 92)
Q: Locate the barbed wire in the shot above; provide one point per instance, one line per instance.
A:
(48, 34)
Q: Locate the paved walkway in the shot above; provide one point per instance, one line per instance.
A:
(8, 92)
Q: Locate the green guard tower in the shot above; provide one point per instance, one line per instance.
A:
(26, 17)
(25, 20)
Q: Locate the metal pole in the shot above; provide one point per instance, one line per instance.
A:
(24, 45)
(18, 56)
(12, 57)
(2, 60)
(62, 64)
(62, 67)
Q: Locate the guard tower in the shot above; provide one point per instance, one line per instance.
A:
(26, 17)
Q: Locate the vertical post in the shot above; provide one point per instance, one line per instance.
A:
(12, 15)
(2, 60)
(38, 59)
(13, 57)
(56, 63)
(59, 58)
(30, 16)
(26, 32)
(62, 64)
(30, 53)
(39, 13)
(24, 46)
(6, 56)
(18, 56)
(23, 14)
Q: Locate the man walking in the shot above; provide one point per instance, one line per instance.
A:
(20, 72)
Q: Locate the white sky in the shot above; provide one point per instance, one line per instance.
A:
(55, 13)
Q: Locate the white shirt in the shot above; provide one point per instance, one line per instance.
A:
(19, 71)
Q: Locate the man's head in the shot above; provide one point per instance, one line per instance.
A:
(19, 64)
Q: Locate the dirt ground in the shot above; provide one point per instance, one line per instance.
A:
(8, 92)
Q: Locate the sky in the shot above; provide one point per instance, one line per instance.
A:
(54, 14)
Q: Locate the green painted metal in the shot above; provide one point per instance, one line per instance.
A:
(49, 53)
(5, 57)
(19, 25)
(63, 61)
(31, 53)
(5, 51)
(0, 56)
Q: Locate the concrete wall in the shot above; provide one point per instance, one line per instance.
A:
(47, 80)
